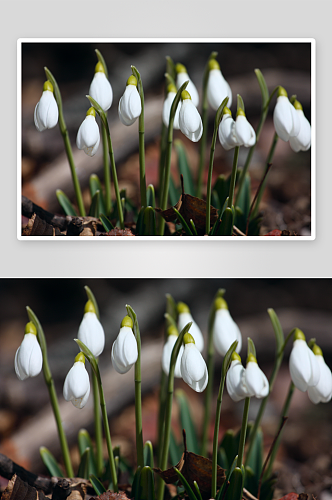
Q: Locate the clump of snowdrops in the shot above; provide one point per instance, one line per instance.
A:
(230, 468)
(228, 206)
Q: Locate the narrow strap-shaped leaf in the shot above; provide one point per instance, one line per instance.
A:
(97, 485)
(108, 226)
(170, 68)
(228, 358)
(149, 222)
(91, 297)
(173, 193)
(183, 167)
(102, 60)
(171, 307)
(83, 469)
(175, 451)
(193, 227)
(197, 490)
(146, 484)
(187, 422)
(50, 462)
(135, 484)
(94, 207)
(186, 485)
(95, 185)
(263, 87)
(183, 222)
(148, 454)
(240, 103)
(251, 348)
(256, 456)
(227, 221)
(84, 442)
(65, 203)
(279, 334)
(140, 222)
(228, 476)
(150, 196)
(234, 491)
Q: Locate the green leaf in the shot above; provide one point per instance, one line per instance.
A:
(228, 476)
(95, 185)
(65, 203)
(230, 442)
(57, 93)
(251, 348)
(170, 68)
(228, 359)
(94, 207)
(91, 297)
(227, 221)
(49, 461)
(186, 485)
(102, 60)
(187, 421)
(175, 452)
(243, 202)
(140, 222)
(150, 196)
(135, 485)
(263, 87)
(83, 469)
(219, 113)
(222, 459)
(146, 484)
(279, 334)
(251, 481)
(173, 192)
(92, 360)
(183, 222)
(148, 454)
(84, 442)
(199, 496)
(183, 167)
(97, 485)
(171, 307)
(240, 103)
(149, 228)
(234, 491)
(255, 461)
(108, 226)
(193, 227)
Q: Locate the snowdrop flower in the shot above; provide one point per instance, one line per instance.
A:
(285, 118)
(28, 357)
(226, 131)
(193, 367)
(189, 118)
(303, 364)
(181, 78)
(124, 350)
(225, 330)
(302, 141)
(77, 385)
(88, 136)
(167, 352)
(256, 381)
(236, 379)
(91, 332)
(244, 132)
(183, 319)
(322, 392)
(171, 93)
(46, 111)
(217, 87)
(130, 105)
(100, 88)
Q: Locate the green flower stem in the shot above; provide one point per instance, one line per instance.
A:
(107, 174)
(277, 364)
(233, 177)
(65, 136)
(252, 149)
(284, 414)
(163, 143)
(161, 414)
(262, 187)
(138, 383)
(111, 153)
(217, 121)
(141, 138)
(168, 409)
(215, 439)
(98, 429)
(243, 432)
(53, 397)
(93, 362)
(167, 172)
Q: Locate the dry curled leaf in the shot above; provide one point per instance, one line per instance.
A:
(189, 207)
(119, 232)
(109, 495)
(194, 468)
(19, 490)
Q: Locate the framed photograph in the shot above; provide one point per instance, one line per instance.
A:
(166, 139)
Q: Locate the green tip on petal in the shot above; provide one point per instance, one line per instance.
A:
(171, 330)
(240, 112)
(298, 105)
(251, 359)
(91, 112)
(236, 357)
(298, 334)
(89, 307)
(127, 321)
(80, 357)
(171, 88)
(182, 308)
(220, 303)
(213, 64)
(48, 86)
(99, 68)
(317, 350)
(188, 339)
(180, 68)
(30, 328)
(185, 95)
(227, 111)
(282, 92)
(132, 81)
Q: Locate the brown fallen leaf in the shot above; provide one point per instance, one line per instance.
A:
(189, 207)
(194, 468)
(19, 490)
(109, 495)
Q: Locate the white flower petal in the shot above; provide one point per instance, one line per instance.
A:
(183, 320)
(124, 350)
(76, 382)
(81, 402)
(285, 119)
(101, 90)
(167, 109)
(303, 368)
(322, 392)
(226, 133)
(256, 380)
(236, 381)
(218, 89)
(166, 356)
(183, 77)
(193, 368)
(225, 332)
(46, 111)
(130, 106)
(244, 132)
(28, 357)
(91, 333)
(88, 136)
(190, 121)
(302, 141)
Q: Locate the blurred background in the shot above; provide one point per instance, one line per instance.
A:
(26, 420)
(45, 168)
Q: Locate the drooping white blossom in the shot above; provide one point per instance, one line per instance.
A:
(101, 89)
(46, 111)
(303, 365)
(88, 136)
(90, 331)
(182, 77)
(28, 357)
(225, 330)
(193, 367)
(77, 384)
(322, 392)
(167, 353)
(130, 105)
(190, 121)
(184, 318)
(124, 350)
(302, 141)
(217, 87)
(285, 118)
(171, 93)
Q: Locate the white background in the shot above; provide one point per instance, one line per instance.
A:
(71, 18)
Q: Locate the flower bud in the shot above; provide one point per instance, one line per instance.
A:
(193, 367)
(183, 319)
(285, 118)
(130, 105)
(100, 88)
(28, 357)
(77, 385)
(217, 87)
(181, 78)
(91, 332)
(189, 118)
(322, 392)
(225, 330)
(302, 141)
(88, 136)
(124, 350)
(303, 365)
(46, 111)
